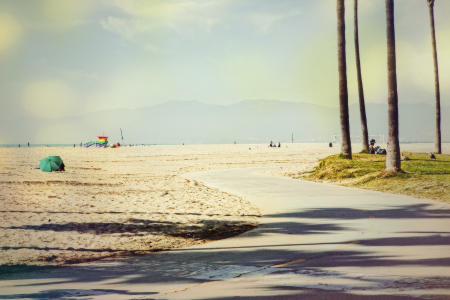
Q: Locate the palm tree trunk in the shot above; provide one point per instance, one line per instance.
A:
(362, 105)
(346, 147)
(393, 147)
(436, 78)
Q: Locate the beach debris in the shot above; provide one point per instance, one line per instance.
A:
(51, 163)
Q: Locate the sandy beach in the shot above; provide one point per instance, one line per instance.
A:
(115, 202)
(130, 200)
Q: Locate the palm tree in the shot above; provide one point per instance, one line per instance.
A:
(393, 147)
(362, 105)
(436, 78)
(346, 147)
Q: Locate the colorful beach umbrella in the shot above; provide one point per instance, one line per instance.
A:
(51, 163)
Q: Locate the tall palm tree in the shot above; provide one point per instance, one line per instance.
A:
(346, 147)
(436, 78)
(393, 147)
(362, 105)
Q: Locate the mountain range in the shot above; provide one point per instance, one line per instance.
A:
(251, 121)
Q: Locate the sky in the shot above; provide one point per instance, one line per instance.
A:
(65, 58)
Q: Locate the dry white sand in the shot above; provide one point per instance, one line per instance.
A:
(112, 202)
(130, 200)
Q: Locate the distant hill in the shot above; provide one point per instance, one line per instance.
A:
(255, 121)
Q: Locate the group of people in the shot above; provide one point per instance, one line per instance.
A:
(272, 144)
(375, 149)
(372, 148)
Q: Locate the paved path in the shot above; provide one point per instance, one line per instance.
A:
(316, 241)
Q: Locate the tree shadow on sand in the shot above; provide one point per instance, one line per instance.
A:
(416, 211)
(209, 266)
(204, 229)
(206, 265)
(69, 294)
(311, 294)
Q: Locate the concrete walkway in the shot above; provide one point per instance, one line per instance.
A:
(315, 241)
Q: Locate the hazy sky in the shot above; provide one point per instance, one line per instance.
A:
(70, 57)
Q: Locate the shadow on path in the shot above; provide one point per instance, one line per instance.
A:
(199, 265)
(416, 211)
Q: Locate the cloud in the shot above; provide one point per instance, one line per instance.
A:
(48, 98)
(264, 21)
(163, 9)
(61, 14)
(10, 32)
(181, 17)
(130, 28)
(126, 28)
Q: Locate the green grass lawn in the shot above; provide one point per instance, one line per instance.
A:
(421, 176)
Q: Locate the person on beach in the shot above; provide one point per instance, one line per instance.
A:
(372, 146)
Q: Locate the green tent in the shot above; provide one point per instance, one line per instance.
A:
(51, 163)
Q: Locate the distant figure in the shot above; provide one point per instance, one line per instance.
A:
(235, 142)
(432, 156)
(19, 145)
(271, 144)
(381, 151)
(279, 144)
(372, 146)
(330, 144)
(74, 145)
(81, 144)
(28, 144)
